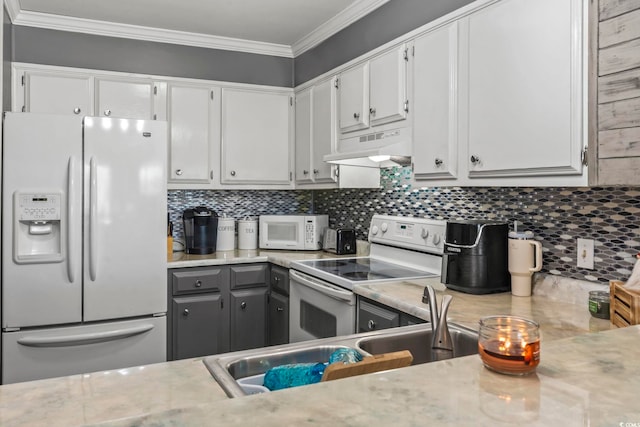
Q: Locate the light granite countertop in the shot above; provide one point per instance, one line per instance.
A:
(583, 379)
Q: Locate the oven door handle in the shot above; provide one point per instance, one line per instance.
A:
(321, 286)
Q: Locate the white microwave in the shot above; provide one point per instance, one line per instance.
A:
(294, 232)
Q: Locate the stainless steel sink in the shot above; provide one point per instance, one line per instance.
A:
(418, 342)
(230, 367)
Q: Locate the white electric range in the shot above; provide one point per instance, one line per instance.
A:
(322, 302)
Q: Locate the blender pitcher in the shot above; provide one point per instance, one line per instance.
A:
(525, 258)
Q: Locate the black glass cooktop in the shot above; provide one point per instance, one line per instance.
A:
(363, 269)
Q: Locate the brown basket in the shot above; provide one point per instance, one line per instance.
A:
(625, 305)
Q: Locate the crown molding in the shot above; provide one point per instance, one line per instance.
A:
(345, 18)
(109, 29)
(348, 16)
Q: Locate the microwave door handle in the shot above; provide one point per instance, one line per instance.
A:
(323, 287)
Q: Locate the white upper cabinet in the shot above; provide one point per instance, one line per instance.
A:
(194, 132)
(354, 98)
(56, 92)
(524, 103)
(374, 92)
(127, 98)
(388, 87)
(323, 130)
(256, 136)
(435, 91)
(304, 173)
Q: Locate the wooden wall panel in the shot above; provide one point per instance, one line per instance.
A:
(620, 171)
(620, 114)
(619, 143)
(620, 29)
(619, 57)
(611, 8)
(619, 86)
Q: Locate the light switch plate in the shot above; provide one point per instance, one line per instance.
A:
(585, 253)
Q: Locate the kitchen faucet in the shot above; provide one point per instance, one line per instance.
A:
(441, 344)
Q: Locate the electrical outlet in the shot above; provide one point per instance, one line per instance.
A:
(585, 253)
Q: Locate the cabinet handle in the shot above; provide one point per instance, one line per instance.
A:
(438, 162)
(356, 116)
(77, 110)
(198, 283)
(178, 172)
(372, 111)
(277, 279)
(185, 312)
(107, 112)
(371, 325)
(315, 171)
(243, 305)
(305, 172)
(475, 159)
(233, 173)
(279, 309)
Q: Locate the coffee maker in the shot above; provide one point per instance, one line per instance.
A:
(475, 258)
(200, 230)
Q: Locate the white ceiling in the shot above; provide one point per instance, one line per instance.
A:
(276, 27)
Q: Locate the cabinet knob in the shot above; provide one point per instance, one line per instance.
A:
(372, 111)
(371, 325)
(185, 312)
(356, 116)
(178, 172)
(438, 162)
(305, 172)
(279, 309)
(107, 112)
(233, 173)
(77, 110)
(475, 159)
(315, 171)
(243, 305)
(198, 283)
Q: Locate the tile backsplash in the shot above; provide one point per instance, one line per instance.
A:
(557, 216)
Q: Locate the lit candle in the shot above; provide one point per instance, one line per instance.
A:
(509, 344)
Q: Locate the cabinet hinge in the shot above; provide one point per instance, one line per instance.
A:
(211, 174)
(584, 157)
(337, 83)
(406, 106)
(22, 79)
(155, 117)
(412, 167)
(24, 109)
(221, 303)
(406, 54)
(155, 90)
(212, 95)
(290, 176)
(337, 171)
(413, 51)
(291, 101)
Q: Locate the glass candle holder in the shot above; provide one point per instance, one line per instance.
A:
(509, 344)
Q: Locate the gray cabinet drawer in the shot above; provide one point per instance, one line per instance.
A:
(372, 318)
(200, 280)
(279, 279)
(248, 276)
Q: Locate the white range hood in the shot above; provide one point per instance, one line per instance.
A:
(374, 150)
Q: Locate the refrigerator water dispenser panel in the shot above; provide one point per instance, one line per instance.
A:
(37, 227)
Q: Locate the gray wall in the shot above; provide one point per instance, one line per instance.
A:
(395, 18)
(62, 48)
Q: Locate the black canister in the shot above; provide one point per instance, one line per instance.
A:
(200, 230)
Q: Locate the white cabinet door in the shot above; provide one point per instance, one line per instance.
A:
(323, 130)
(388, 86)
(353, 93)
(194, 123)
(58, 93)
(132, 99)
(304, 126)
(525, 80)
(435, 104)
(256, 137)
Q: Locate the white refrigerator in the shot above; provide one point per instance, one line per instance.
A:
(84, 211)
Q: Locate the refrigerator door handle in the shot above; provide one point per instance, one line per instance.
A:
(84, 339)
(93, 218)
(71, 216)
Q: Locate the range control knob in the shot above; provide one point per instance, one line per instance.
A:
(424, 233)
(384, 227)
(374, 230)
(436, 239)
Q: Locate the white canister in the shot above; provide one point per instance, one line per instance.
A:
(226, 240)
(247, 234)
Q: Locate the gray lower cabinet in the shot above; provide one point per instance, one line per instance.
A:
(278, 305)
(373, 316)
(216, 309)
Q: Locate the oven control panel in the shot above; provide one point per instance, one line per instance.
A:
(426, 235)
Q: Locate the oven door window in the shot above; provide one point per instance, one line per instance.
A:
(316, 321)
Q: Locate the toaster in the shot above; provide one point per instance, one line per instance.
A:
(340, 241)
